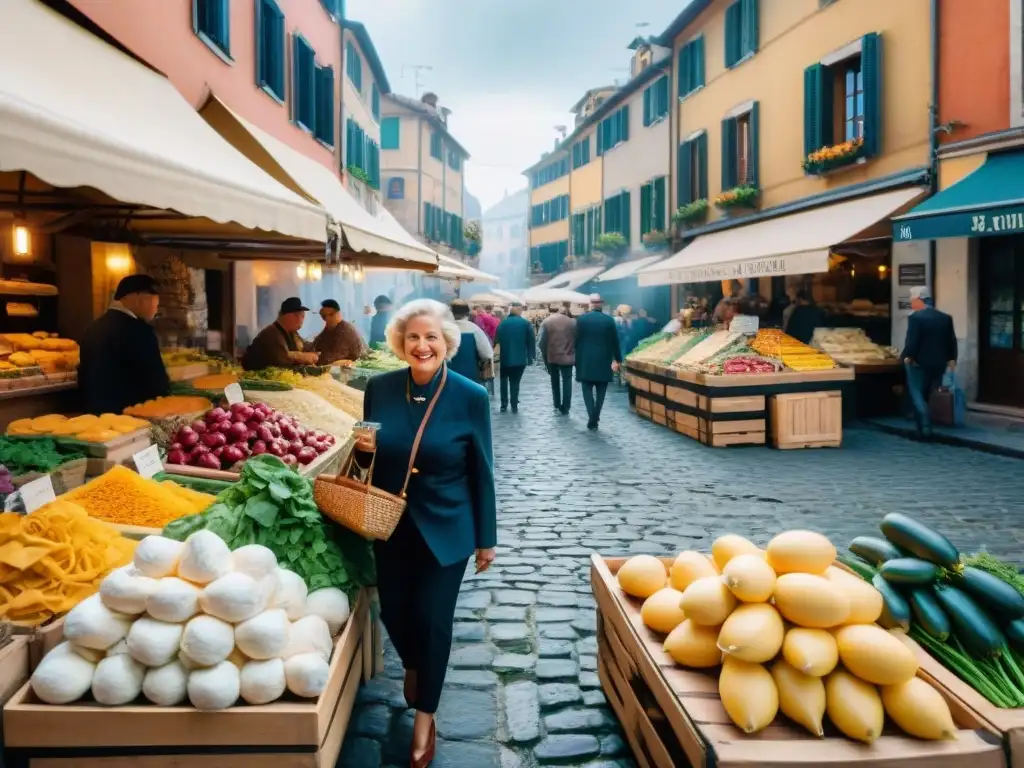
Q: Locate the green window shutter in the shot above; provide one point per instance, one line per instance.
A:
(609, 211)
(624, 123)
(658, 202)
(645, 208)
(702, 165)
(662, 94)
(626, 213)
(683, 172)
(647, 107)
(813, 77)
(698, 62)
(728, 153)
(600, 139)
(428, 219)
(389, 133)
(871, 72)
(683, 71)
(749, 31)
(754, 161)
(375, 103)
(732, 34)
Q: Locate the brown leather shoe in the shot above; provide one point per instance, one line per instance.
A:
(427, 757)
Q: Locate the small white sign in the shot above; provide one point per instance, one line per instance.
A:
(744, 324)
(233, 392)
(37, 493)
(147, 462)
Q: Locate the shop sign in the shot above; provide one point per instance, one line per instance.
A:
(793, 264)
(913, 274)
(1000, 221)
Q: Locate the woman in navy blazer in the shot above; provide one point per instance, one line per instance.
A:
(450, 514)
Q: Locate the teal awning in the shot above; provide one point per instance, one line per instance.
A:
(988, 201)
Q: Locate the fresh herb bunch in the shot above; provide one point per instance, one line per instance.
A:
(37, 454)
(271, 504)
(990, 564)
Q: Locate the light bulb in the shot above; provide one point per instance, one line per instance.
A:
(22, 239)
(358, 273)
(315, 271)
(881, 269)
(300, 271)
(345, 270)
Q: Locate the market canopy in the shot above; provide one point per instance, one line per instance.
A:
(375, 241)
(487, 298)
(797, 244)
(626, 269)
(571, 280)
(539, 295)
(88, 130)
(453, 269)
(988, 201)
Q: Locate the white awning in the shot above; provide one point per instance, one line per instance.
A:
(626, 269)
(453, 269)
(381, 238)
(77, 112)
(540, 295)
(797, 244)
(570, 280)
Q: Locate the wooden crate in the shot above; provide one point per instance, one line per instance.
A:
(1007, 724)
(286, 734)
(42, 639)
(14, 667)
(66, 477)
(673, 716)
(807, 420)
(323, 464)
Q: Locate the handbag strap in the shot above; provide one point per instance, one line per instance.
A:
(423, 426)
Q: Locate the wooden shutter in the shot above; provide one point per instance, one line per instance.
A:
(624, 123)
(658, 203)
(698, 62)
(814, 115)
(610, 206)
(646, 208)
(749, 31)
(728, 153)
(625, 212)
(733, 20)
(753, 160)
(871, 72)
(600, 139)
(375, 103)
(683, 71)
(684, 170)
(702, 165)
(428, 219)
(647, 106)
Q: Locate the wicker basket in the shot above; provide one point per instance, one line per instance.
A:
(360, 507)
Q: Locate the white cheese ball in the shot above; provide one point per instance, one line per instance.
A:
(216, 687)
(121, 646)
(331, 604)
(118, 680)
(166, 686)
(125, 590)
(157, 556)
(291, 593)
(174, 600)
(93, 625)
(262, 681)
(309, 635)
(188, 662)
(63, 676)
(233, 598)
(306, 674)
(154, 643)
(254, 560)
(264, 636)
(204, 558)
(207, 640)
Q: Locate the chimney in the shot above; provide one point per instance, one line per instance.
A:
(444, 112)
(430, 99)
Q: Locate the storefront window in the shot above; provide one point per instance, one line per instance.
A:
(1001, 299)
(854, 102)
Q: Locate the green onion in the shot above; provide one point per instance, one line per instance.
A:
(968, 670)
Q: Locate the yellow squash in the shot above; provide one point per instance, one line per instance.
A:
(726, 547)
(800, 552)
(708, 601)
(811, 651)
(865, 601)
(753, 632)
(692, 645)
(688, 567)
(801, 697)
(748, 694)
(874, 655)
(854, 706)
(661, 611)
(642, 575)
(749, 578)
(919, 710)
(810, 601)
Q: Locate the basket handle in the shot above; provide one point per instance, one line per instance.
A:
(423, 426)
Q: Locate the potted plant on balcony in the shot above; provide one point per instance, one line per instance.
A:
(741, 197)
(655, 240)
(691, 214)
(358, 173)
(473, 238)
(611, 245)
(826, 159)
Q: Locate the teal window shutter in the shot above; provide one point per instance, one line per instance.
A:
(683, 71)
(733, 20)
(646, 208)
(375, 103)
(728, 153)
(658, 204)
(211, 20)
(600, 139)
(663, 101)
(428, 219)
(698, 62)
(624, 123)
(813, 77)
(702, 165)
(390, 132)
(648, 112)
(349, 160)
(754, 162)
(871, 72)
(610, 206)
(625, 214)
(684, 170)
(270, 45)
(324, 97)
(586, 150)
(749, 27)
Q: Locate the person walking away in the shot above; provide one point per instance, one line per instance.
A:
(379, 322)
(487, 321)
(517, 346)
(641, 327)
(339, 340)
(805, 318)
(558, 351)
(120, 353)
(930, 350)
(598, 357)
(450, 514)
(474, 348)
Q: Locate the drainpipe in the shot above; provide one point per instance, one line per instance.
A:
(933, 124)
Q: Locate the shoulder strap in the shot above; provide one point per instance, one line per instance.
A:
(423, 426)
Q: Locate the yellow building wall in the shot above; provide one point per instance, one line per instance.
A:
(431, 166)
(585, 185)
(550, 233)
(548, 191)
(953, 169)
(793, 35)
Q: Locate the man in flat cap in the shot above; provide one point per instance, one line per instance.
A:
(120, 353)
(339, 340)
(279, 345)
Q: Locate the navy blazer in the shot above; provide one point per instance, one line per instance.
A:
(517, 342)
(451, 496)
(931, 339)
(597, 346)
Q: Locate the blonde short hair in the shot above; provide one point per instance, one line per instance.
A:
(396, 328)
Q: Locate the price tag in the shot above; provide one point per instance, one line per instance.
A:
(233, 392)
(148, 463)
(36, 493)
(744, 324)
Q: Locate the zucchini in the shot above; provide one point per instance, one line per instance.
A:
(860, 567)
(972, 626)
(928, 614)
(875, 551)
(915, 537)
(264, 385)
(1015, 634)
(910, 571)
(992, 592)
(895, 609)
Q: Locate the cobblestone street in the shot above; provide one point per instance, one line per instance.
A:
(522, 689)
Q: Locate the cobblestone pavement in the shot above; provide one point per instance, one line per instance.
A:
(522, 690)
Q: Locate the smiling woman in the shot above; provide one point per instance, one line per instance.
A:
(423, 333)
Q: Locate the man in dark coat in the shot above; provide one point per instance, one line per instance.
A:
(517, 346)
(597, 357)
(279, 344)
(805, 318)
(120, 354)
(930, 350)
(558, 351)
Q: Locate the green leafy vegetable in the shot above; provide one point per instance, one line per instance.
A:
(983, 561)
(34, 454)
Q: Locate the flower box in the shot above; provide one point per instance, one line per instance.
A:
(743, 196)
(827, 159)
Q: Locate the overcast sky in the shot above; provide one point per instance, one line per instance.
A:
(508, 69)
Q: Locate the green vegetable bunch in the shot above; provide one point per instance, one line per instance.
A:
(36, 454)
(273, 505)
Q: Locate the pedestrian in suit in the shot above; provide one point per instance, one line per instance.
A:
(929, 352)
(517, 346)
(451, 500)
(597, 357)
(558, 351)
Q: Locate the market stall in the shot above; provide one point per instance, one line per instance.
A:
(727, 387)
(879, 382)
